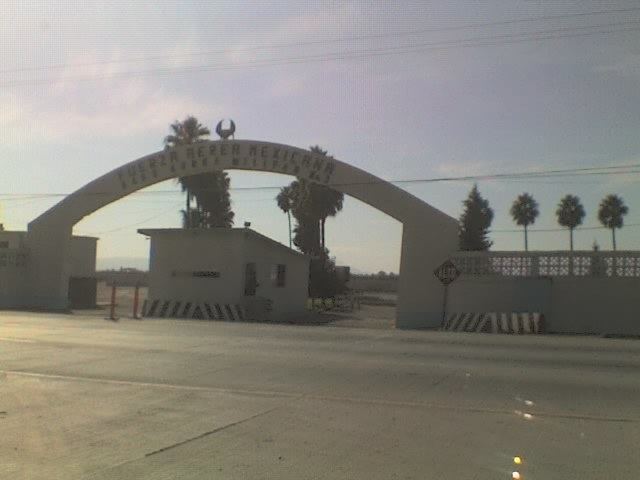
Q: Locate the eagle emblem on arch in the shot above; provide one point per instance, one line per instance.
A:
(225, 133)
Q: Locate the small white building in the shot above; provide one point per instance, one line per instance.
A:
(224, 273)
(15, 260)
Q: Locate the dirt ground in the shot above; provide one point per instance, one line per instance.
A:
(380, 314)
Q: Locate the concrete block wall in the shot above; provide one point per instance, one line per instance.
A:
(570, 304)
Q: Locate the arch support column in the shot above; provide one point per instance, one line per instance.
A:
(48, 286)
(420, 294)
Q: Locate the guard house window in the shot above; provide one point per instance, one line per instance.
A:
(4, 244)
(279, 275)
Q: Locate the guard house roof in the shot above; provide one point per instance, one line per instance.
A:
(213, 232)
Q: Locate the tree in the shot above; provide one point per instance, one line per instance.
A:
(285, 203)
(310, 203)
(306, 235)
(191, 219)
(475, 222)
(570, 213)
(213, 200)
(210, 190)
(325, 279)
(611, 212)
(190, 130)
(326, 201)
(524, 212)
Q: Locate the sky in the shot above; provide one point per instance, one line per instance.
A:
(404, 90)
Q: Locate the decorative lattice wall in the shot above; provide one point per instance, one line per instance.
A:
(549, 264)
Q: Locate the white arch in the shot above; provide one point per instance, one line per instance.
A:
(242, 155)
(428, 234)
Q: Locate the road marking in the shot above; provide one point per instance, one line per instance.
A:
(131, 383)
(329, 398)
(16, 340)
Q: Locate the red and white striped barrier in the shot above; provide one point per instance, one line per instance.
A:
(193, 310)
(512, 322)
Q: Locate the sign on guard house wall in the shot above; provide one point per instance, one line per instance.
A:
(196, 274)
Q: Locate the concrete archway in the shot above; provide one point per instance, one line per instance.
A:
(429, 236)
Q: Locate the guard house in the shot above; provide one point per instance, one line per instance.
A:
(15, 260)
(224, 273)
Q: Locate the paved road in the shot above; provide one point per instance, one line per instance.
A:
(156, 399)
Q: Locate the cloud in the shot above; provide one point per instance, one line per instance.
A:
(627, 64)
(463, 169)
(110, 107)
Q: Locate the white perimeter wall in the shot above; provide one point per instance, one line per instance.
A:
(570, 304)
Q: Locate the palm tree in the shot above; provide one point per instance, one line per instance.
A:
(211, 190)
(285, 203)
(193, 219)
(326, 201)
(524, 212)
(611, 212)
(189, 131)
(310, 202)
(570, 213)
(318, 149)
(213, 199)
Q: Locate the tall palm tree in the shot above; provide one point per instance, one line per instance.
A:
(329, 203)
(326, 201)
(611, 212)
(210, 190)
(524, 212)
(213, 199)
(189, 131)
(570, 213)
(193, 219)
(310, 202)
(285, 203)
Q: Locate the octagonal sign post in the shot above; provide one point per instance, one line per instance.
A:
(446, 273)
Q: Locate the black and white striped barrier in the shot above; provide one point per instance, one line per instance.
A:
(515, 323)
(193, 310)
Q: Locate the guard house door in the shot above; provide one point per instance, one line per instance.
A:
(250, 279)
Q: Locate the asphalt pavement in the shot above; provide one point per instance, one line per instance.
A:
(81, 397)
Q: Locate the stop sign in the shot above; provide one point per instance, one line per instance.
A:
(447, 272)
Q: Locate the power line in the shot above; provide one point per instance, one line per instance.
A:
(628, 169)
(471, 42)
(556, 229)
(327, 41)
(491, 231)
(141, 222)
